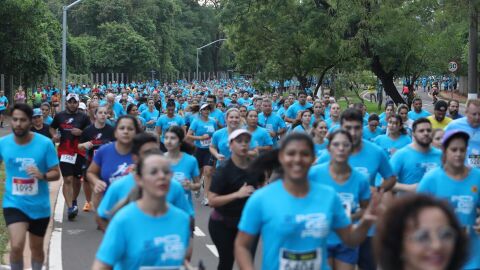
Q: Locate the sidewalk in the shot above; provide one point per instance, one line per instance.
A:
(54, 188)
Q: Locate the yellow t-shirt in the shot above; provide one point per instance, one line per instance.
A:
(436, 124)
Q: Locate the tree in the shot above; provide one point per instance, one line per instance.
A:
(280, 39)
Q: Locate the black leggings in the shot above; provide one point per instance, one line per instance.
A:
(223, 236)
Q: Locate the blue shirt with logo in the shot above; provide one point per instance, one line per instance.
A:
(135, 239)
(164, 122)
(201, 127)
(473, 150)
(113, 165)
(185, 170)
(29, 195)
(410, 165)
(293, 227)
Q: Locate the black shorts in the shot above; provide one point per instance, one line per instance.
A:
(37, 227)
(204, 157)
(76, 169)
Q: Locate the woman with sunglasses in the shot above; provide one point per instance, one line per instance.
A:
(419, 232)
(354, 191)
(458, 185)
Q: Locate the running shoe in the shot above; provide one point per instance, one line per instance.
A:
(72, 213)
(87, 207)
(205, 201)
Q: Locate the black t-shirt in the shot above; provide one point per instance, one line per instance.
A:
(97, 137)
(228, 179)
(45, 130)
(65, 122)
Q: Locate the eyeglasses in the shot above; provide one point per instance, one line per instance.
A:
(424, 237)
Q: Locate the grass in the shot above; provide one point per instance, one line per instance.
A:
(3, 227)
(372, 107)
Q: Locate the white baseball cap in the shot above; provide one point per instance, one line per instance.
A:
(74, 96)
(237, 133)
(82, 106)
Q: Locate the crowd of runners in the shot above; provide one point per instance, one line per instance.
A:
(321, 186)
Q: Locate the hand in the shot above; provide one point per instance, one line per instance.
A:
(56, 138)
(476, 227)
(245, 191)
(76, 132)
(150, 122)
(88, 145)
(220, 157)
(253, 153)
(33, 172)
(204, 137)
(99, 186)
(187, 185)
(273, 134)
(374, 207)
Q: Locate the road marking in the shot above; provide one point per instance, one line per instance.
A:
(213, 249)
(55, 249)
(198, 232)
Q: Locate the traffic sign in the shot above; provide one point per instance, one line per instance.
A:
(452, 66)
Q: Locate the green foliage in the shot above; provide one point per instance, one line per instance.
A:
(28, 37)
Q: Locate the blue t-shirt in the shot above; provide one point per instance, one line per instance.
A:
(3, 103)
(220, 142)
(120, 189)
(118, 109)
(370, 160)
(261, 137)
(320, 147)
(218, 116)
(148, 116)
(29, 195)
(369, 135)
(389, 145)
(300, 129)
(464, 198)
(164, 122)
(291, 227)
(353, 191)
(295, 108)
(200, 127)
(134, 239)
(410, 165)
(48, 120)
(113, 165)
(273, 122)
(185, 170)
(414, 115)
(473, 150)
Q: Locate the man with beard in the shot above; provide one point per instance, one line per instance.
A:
(70, 123)
(453, 106)
(411, 162)
(30, 162)
(438, 119)
(417, 111)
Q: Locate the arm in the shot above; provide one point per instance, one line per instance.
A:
(389, 183)
(53, 174)
(93, 173)
(215, 152)
(358, 215)
(405, 187)
(243, 244)
(215, 200)
(194, 185)
(101, 222)
(98, 265)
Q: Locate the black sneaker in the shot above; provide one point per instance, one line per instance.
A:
(72, 212)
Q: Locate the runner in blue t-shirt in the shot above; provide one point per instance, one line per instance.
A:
(201, 132)
(114, 160)
(167, 120)
(185, 168)
(417, 111)
(273, 123)
(30, 163)
(150, 114)
(319, 133)
(3, 107)
(302, 104)
(412, 162)
(143, 144)
(295, 225)
(396, 137)
(304, 125)
(215, 113)
(371, 130)
(352, 187)
(148, 232)
(458, 185)
(260, 137)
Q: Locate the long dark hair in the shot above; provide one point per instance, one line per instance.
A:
(388, 242)
(134, 120)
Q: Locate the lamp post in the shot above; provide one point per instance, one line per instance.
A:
(472, 52)
(64, 51)
(198, 51)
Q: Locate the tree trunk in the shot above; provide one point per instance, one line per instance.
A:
(303, 82)
(387, 80)
(320, 80)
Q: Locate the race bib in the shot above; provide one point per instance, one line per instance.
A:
(474, 160)
(206, 142)
(348, 209)
(24, 186)
(68, 158)
(294, 260)
(2, 104)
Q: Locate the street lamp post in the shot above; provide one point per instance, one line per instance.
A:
(64, 51)
(472, 52)
(198, 51)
